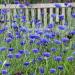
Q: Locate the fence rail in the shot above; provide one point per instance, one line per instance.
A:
(48, 5)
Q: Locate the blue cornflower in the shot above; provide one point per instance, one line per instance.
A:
(72, 32)
(73, 15)
(4, 11)
(44, 41)
(46, 54)
(7, 64)
(8, 40)
(57, 41)
(1, 31)
(53, 49)
(17, 55)
(52, 70)
(26, 63)
(40, 58)
(58, 58)
(39, 32)
(10, 35)
(65, 39)
(23, 17)
(60, 67)
(1, 62)
(16, 2)
(53, 15)
(35, 50)
(27, 3)
(61, 27)
(21, 5)
(57, 5)
(11, 49)
(61, 17)
(66, 3)
(16, 16)
(51, 25)
(23, 29)
(4, 72)
(34, 36)
(10, 55)
(2, 48)
(22, 43)
(21, 51)
(70, 58)
(41, 70)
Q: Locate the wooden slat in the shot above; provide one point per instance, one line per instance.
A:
(69, 17)
(45, 17)
(51, 12)
(33, 17)
(46, 5)
(39, 14)
(27, 16)
(63, 13)
(57, 14)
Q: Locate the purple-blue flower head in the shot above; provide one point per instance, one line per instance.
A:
(7, 64)
(40, 58)
(1, 62)
(4, 11)
(17, 55)
(21, 51)
(70, 58)
(21, 5)
(65, 39)
(8, 40)
(35, 50)
(22, 43)
(73, 15)
(16, 16)
(53, 15)
(44, 40)
(11, 49)
(57, 41)
(58, 58)
(57, 5)
(52, 70)
(26, 63)
(41, 70)
(53, 49)
(61, 27)
(60, 67)
(27, 3)
(46, 54)
(34, 36)
(39, 32)
(4, 72)
(2, 48)
(61, 17)
(10, 55)
(51, 25)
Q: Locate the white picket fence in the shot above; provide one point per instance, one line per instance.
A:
(34, 11)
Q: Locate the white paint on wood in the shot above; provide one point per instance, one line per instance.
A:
(57, 14)
(33, 17)
(27, 15)
(39, 14)
(45, 5)
(45, 17)
(51, 12)
(63, 13)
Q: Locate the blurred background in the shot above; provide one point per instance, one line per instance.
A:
(35, 1)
